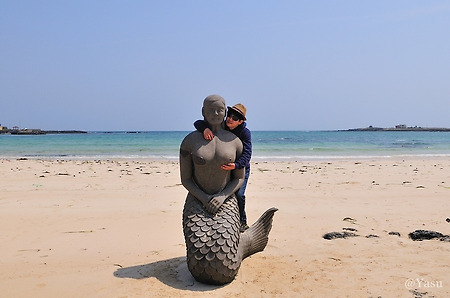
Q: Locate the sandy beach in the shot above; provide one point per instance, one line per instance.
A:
(112, 228)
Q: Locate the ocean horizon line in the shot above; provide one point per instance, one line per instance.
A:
(365, 129)
(370, 128)
(267, 145)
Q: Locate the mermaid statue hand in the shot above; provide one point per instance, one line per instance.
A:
(215, 203)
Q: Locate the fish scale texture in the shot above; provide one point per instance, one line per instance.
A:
(212, 241)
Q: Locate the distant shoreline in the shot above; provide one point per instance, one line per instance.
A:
(39, 131)
(27, 131)
(401, 128)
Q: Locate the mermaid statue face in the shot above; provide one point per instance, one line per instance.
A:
(214, 109)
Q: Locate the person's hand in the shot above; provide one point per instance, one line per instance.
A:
(229, 166)
(214, 204)
(208, 134)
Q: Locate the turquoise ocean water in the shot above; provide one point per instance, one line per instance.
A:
(267, 145)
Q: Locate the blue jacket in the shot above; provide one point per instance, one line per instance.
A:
(243, 133)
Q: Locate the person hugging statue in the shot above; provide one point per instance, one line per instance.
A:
(215, 247)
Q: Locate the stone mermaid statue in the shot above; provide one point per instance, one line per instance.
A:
(214, 245)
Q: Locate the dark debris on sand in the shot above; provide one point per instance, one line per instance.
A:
(419, 235)
(338, 235)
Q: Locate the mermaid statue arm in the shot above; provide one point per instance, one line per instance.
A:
(187, 179)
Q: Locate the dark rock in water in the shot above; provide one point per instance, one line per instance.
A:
(337, 235)
(394, 234)
(63, 131)
(419, 235)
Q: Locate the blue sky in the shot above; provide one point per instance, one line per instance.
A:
(295, 65)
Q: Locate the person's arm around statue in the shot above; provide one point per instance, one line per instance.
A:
(202, 127)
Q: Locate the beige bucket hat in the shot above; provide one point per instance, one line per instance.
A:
(240, 109)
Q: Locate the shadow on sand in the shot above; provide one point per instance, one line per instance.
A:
(172, 272)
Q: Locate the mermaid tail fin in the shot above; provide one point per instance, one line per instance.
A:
(255, 238)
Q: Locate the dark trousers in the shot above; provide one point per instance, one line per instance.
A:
(240, 194)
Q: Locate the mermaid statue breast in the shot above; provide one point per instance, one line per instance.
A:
(215, 247)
